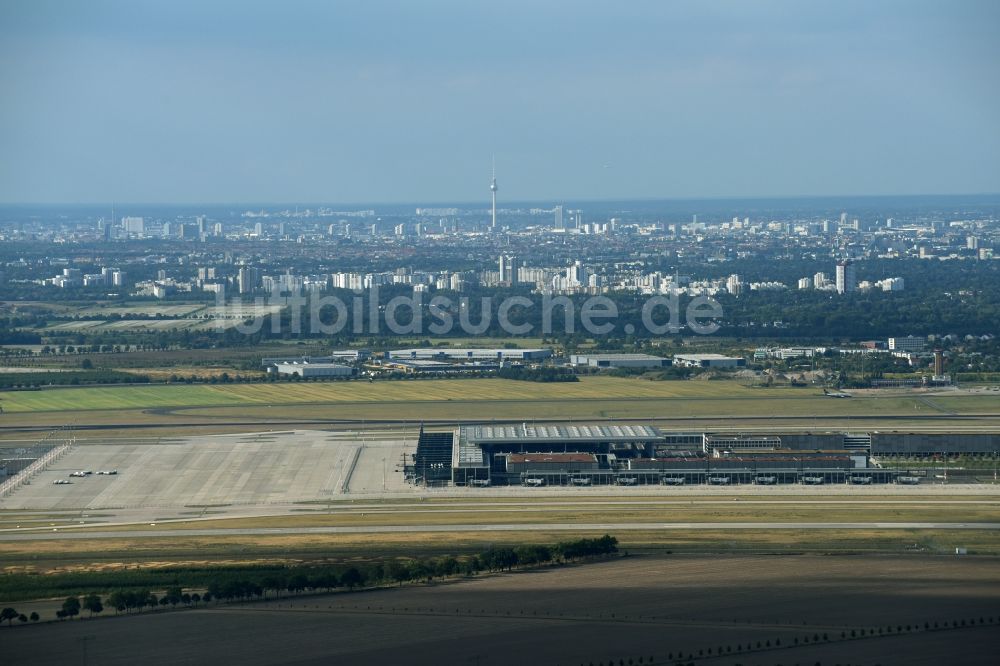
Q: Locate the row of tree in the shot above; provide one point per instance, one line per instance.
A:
(8, 615)
(541, 374)
(259, 582)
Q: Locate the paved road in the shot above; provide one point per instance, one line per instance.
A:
(503, 527)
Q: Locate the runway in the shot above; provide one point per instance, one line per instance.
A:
(83, 533)
(963, 422)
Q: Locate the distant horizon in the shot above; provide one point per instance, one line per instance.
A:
(500, 201)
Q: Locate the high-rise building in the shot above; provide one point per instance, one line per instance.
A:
(819, 280)
(733, 284)
(559, 217)
(891, 284)
(576, 275)
(134, 225)
(247, 280)
(509, 266)
(846, 279)
(938, 363)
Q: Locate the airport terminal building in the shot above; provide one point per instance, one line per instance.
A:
(584, 455)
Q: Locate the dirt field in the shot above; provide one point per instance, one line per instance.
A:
(653, 608)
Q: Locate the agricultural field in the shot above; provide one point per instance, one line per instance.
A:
(149, 310)
(155, 317)
(750, 609)
(240, 311)
(168, 359)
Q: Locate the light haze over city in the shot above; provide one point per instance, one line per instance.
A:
(406, 102)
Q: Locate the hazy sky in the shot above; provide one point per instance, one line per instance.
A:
(215, 101)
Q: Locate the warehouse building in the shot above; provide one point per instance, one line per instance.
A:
(619, 361)
(342, 356)
(456, 354)
(313, 370)
(425, 366)
(708, 361)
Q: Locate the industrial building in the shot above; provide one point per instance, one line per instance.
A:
(708, 361)
(307, 370)
(909, 343)
(339, 356)
(456, 354)
(619, 361)
(584, 455)
(421, 365)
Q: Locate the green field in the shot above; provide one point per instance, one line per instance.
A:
(589, 388)
(122, 547)
(685, 403)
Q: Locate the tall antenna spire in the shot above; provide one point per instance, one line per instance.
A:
(493, 192)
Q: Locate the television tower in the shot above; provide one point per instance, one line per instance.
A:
(493, 192)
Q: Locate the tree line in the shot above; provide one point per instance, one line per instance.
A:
(541, 374)
(132, 589)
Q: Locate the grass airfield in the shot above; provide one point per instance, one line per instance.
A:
(205, 408)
